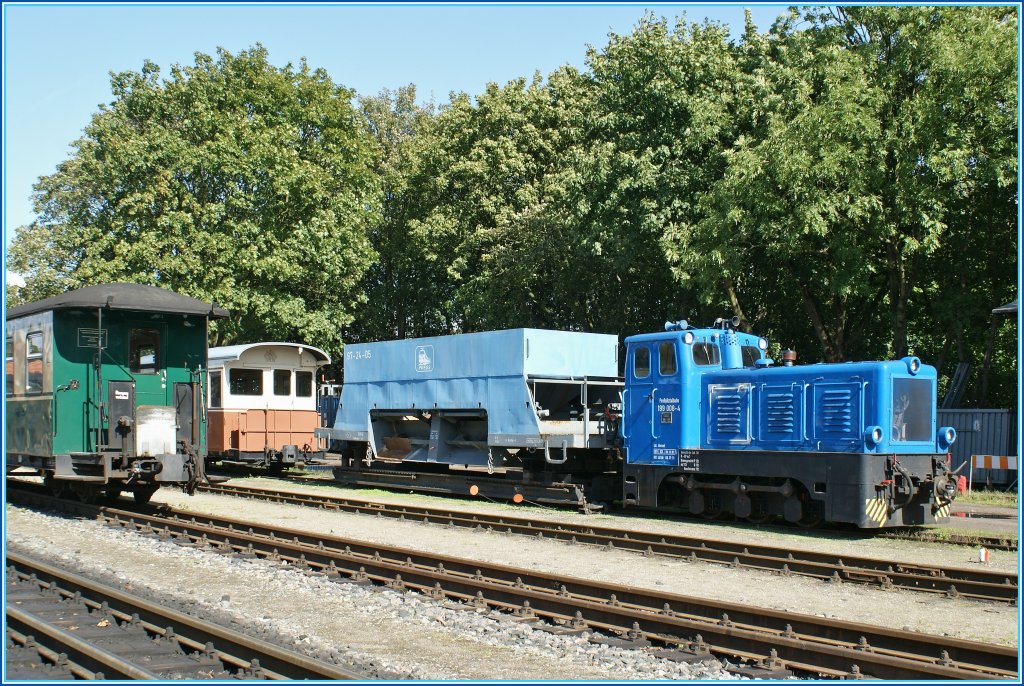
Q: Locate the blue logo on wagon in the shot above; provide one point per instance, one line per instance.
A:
(424, 358)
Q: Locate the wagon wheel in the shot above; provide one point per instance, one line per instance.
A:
(143, 494)
(57, 487)
(87, 493)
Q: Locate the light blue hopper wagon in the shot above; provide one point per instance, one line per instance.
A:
(520, 414)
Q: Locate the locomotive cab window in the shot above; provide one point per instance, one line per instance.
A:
(912, 405)
(9, 366)
(705, 354)
(304, 384)
(144, 351)
(34, 363)
(215, 378)
(667, 359)
(282, 382)
(641, 362)
(750, 355)
(246, 382)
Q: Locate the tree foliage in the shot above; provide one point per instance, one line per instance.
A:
(231, 180)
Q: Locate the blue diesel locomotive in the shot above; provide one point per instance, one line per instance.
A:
(701, 421)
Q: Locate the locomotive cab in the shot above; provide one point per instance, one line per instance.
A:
(711, 428)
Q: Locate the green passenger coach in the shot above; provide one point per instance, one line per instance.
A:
(104, 390)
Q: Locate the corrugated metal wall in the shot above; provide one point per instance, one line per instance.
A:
(982, 432)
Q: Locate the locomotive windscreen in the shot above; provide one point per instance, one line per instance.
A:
(912, 406)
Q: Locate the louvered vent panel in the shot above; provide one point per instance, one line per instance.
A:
(781, 416)
(836, 411)
(728, 415)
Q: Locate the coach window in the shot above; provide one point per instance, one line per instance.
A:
(282, 382)
(215, 378)
(246, 381)
(705, 354)
(144, 351)
(667, 358)
(641, 362)
(10, 366)
(303, 384)
(34, 363)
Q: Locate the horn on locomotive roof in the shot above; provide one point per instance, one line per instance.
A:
(681, 325)
(732, 323)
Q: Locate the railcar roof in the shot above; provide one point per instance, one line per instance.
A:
(121, 296)
(233, 352)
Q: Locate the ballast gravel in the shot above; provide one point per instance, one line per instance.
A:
(896, 609)
(384, 634)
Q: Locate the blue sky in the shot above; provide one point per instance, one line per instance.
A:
(57, 58)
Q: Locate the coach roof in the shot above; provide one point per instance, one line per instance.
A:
(234, 352)
(121, 296)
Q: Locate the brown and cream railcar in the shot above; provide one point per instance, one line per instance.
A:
(262, 404)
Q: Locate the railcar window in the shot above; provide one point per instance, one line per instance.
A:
(751, 355)
(304, 384)
(144, 351)
(215, 380)
(10, 366)
(705, 354)
(667, 359)
(246, 382)
(282, 382)
(912, 405)
(641, 362)
(34, 363)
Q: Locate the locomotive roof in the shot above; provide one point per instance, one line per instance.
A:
(121, 296)
(233, 352)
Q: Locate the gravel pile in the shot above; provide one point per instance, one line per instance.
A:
(385, 634)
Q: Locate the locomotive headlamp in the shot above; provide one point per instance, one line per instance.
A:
(762, 343)
(874, 435)
(688, 337)
(913, 364)
(947, 435)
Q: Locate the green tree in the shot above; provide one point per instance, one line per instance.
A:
(403, 295)
(231, 180)
(882, 139)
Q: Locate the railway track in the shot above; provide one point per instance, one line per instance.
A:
(1004, 543)
(952, 581)
(770, 642)
(62, 625)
